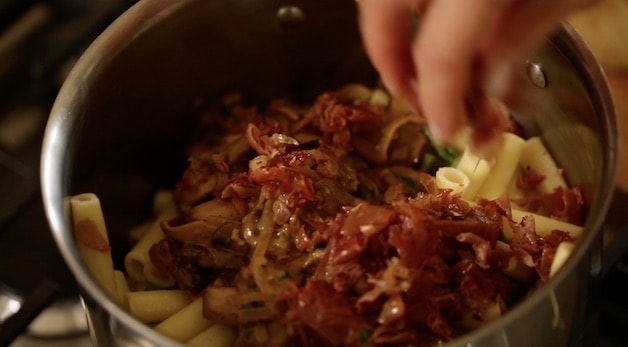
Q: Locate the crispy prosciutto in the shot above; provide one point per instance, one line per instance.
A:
(564, 204)
(320, 238)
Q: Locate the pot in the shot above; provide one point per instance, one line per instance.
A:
(120, 123)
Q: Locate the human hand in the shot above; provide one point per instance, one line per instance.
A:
(460, 45)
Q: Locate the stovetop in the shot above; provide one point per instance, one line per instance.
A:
(39, 43)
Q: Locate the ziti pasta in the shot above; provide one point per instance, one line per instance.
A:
(337, 223)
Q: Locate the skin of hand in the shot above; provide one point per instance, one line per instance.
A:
(433, 63)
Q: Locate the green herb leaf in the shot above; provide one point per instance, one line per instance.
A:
(448, 154)
(364, 334)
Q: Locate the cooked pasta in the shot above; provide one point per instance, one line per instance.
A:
(186, 323)
(122, 288)
(137, 262)
(476, 169)
(545, 225)
(92, 240)
(154, 306)
(536, 159)
(328, 224)
(506, 162)
(452, 178)
(217, 335)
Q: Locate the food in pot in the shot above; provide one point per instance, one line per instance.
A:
(339, 223)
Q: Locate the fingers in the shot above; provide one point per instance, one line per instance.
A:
(386, 32)
(432, 69)
(444, 54)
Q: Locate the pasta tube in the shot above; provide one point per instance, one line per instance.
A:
(545, 225)
(185, 323)
(452, 178)
(380, 97)
(217, 335)
(122, 287)
(505, 164)
(514, 191)
(354, 92)
(92, 240)
(476, 169)
(156, 305)
(137, 262)
(535, 156)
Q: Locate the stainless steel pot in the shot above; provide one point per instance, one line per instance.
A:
(121, 119)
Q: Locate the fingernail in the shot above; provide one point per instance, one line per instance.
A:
(388, 85)
(437, 133)
(414, 85)
(444, 132)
